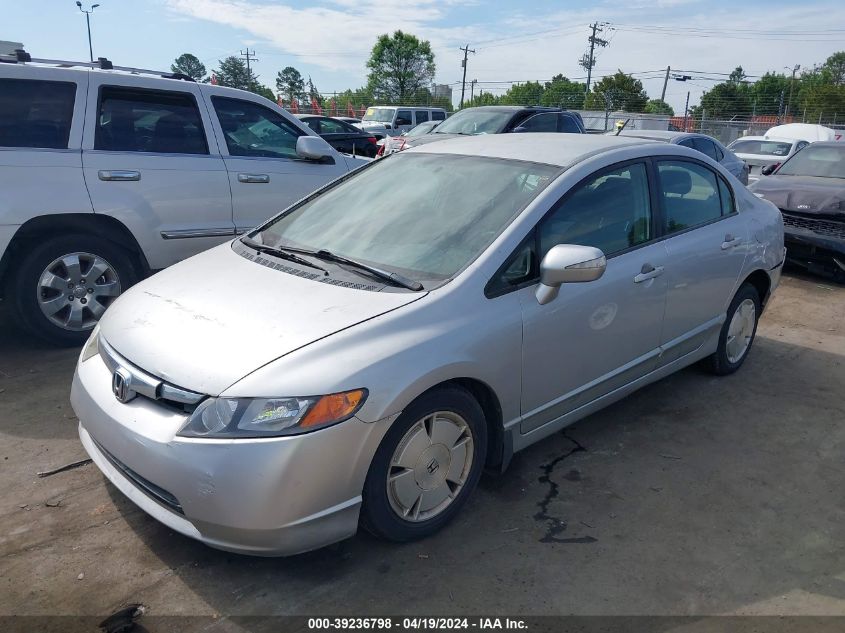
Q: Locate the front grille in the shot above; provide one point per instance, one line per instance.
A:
(156, 492)
(819, 226)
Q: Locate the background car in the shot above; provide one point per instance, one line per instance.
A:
(344, 137)
(707, 145)
(503, 120)
(397, 143)
(809, 189)
(398, 119)
(760, 152)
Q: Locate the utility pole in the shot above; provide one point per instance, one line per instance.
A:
(791, 86)
(472, 89)
(594, 41)
(249, 56)
(88, 23)
(665, 81)
(780, 107)
(686, 110)
(467, 50)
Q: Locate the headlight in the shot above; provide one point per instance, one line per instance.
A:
(92, 345)
(271, 417)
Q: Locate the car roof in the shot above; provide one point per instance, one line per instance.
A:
(511, 108)
(657, 135)
(562, 150)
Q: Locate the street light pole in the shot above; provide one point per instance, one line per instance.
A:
(791, 86)
(88, 23)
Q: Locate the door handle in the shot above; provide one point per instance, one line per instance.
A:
(119, 175)
(730, 242)
(259, 178)
(648, 272)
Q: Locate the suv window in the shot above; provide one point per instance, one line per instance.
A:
(706, 147)
(330, 126)
(438, 116)
(611, 211)
(35, 113)
(253, 130)
(422, 116)
(569, 124)
(136, 120)
(403, 117)
(690, 195)
(546, 122)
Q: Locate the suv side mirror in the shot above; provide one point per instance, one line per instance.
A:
(313, 148)
(768, 170)
(568, 263)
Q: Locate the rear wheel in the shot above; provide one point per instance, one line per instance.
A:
(426, 467)
(60, 289)
(737, 333)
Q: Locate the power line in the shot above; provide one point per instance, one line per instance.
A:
(249, 56)
(588, 59)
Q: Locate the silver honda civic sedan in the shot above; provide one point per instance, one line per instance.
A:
(360, 360)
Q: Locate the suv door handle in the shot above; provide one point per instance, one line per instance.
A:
(259, 178)
(648, 272)
(120, 175)
(730, 242)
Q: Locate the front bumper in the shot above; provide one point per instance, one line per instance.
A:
(815, 243)
(267, 496)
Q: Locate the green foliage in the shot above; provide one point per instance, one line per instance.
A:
(658, 106)
(290, 84)
(189, 65)
(399, 66)
(233, 72)
(617, 92)
(264, 91)
(766, 94)
(529, 93)
(725, 101)
(564, 93)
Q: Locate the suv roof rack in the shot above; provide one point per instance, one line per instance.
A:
(22, 57)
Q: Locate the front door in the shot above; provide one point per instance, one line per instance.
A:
(707, 242)
(265, 174)
(597, 336)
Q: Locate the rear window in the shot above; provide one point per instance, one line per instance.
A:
(35, 113)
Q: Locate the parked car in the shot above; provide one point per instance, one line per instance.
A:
(502, 120)
(397, 143)
(343, 136)
(365, 357)
(707, 145)
(108, 174)
(809, 189)
(377, 130)
(398, 119)
(807, 131)
(761, 152)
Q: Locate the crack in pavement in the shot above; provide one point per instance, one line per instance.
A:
(556, 525)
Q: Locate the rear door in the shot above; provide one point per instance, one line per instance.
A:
(707, 242)
(259, 150)
(150, 163)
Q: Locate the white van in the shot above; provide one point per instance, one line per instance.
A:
(111, 173)
(398, 119)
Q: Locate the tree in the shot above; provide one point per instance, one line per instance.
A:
(528, 93)
(617, 92)
(290, 84)
(264, 91)
(234, 73)
(313, 93)
(564, 93)
(769, 94)
(833, 69)
(658, 106)
(725, 101)
(399, 66)
(189, 65)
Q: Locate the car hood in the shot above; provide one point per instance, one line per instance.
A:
(210, 320)
(803, 194)
(425, 139)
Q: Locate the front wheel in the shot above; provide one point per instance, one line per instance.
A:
(60, 289)
(737, 333)
(426, 467)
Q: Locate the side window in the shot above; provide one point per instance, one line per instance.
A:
(438, 116)
(706, 147)
(136, 120)
(546, 122)
(690, 195)
(521, 267)
(35, 113)
(253, 130)
(726, 196)
(719, 153)
(422, 116)
(611, 211)
(688, 142)
(403, 117)
(330, 126)
(568, 124)
(314, 124)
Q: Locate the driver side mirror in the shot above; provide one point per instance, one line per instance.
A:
(568, 263)
(768, 170)
(313, 148)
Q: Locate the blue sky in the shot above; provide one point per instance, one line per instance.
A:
(331, 39)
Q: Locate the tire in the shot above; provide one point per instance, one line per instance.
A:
(26, 293)
(726, 360)
(382, 511)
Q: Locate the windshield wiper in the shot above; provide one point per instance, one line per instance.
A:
(282, 252)
(395, 278)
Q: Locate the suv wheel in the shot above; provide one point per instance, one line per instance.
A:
(60, 289)
(426, 467)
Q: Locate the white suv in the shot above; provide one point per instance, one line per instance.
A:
(111, 173)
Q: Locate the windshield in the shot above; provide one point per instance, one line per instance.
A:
(474, 121)
(422, 128)
(825, 162)
(766, 148)
(450, 209)
(382, 115)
